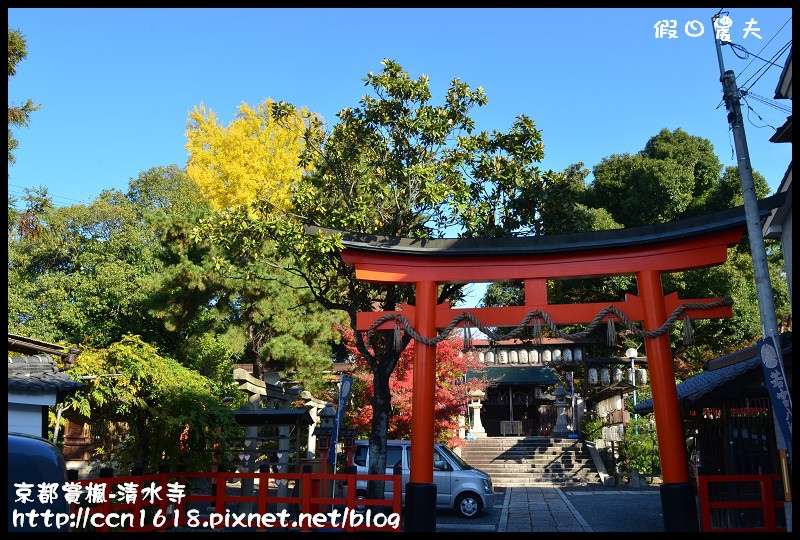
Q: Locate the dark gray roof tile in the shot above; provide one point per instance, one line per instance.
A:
(38, 374)
(719, 372)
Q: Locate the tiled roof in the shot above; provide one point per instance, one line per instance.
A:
(719, 372)
(513, 375)
(694, 388)
(38, 374)
(29, 346)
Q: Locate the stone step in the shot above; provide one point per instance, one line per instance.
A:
(523, 461)
(566, 476)
(532, 461)
(523, 451)
(522, 445)
(486, 454)
(531, 465)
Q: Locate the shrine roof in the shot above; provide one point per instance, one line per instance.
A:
(518, 375)
(584, 241)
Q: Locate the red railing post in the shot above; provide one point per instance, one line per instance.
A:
(767, 504)
(705, 510)
(768, 507)
(146, 514)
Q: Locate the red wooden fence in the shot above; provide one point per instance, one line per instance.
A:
(740, 503)
(154, 503)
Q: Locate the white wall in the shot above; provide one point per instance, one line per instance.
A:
(25, 412)
(24, 418)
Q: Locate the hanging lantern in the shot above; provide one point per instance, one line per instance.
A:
(523, 356)
(568, 356)
(546, 356)
(593, 376)
(557, 359)
(533, 357)
(503, 354)
(605, 376)
(617, 374)
(641, 377)
(513, 357)
(489, 357)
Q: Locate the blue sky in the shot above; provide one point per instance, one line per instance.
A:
(116, 85)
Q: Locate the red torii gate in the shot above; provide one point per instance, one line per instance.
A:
(646, 252)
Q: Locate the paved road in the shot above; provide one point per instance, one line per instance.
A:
(573, 509)
(487, 521)
(618, 509)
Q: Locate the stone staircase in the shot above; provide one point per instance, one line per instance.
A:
(532, 461)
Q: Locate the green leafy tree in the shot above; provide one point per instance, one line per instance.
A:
(154, 410)
(87, 275)
(184, 296)
(675, 176)
(670, 179)
(639, 448)
(211, 358)
(74, 272)
(18, 116)
(564, 208)
(396, 164)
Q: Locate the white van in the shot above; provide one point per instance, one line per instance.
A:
(459, 486)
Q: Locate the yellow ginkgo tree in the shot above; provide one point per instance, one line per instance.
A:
(251, 167)
(252, 158)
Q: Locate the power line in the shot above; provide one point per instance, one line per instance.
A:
(775, 104)
(22, 191)
(768, 63)
(763, 48)
(746, 87)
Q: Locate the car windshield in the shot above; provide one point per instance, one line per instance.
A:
(455, 457)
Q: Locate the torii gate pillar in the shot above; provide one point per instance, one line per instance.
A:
(421, 491)
(677, 497)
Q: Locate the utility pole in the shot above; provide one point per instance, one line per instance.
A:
(766, 304)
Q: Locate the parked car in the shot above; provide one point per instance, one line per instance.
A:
(459, 486)
(32, 462)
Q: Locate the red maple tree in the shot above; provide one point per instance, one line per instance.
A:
(452, 390)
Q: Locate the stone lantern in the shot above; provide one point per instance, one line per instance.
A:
(324, 432)
(324, 435)
(475, 404)
(349, 437)
(561, 429)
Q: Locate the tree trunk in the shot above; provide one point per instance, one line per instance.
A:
(381, 410)
(251, 349)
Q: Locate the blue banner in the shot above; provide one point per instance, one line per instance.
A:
(775, 380)
(344, 397)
